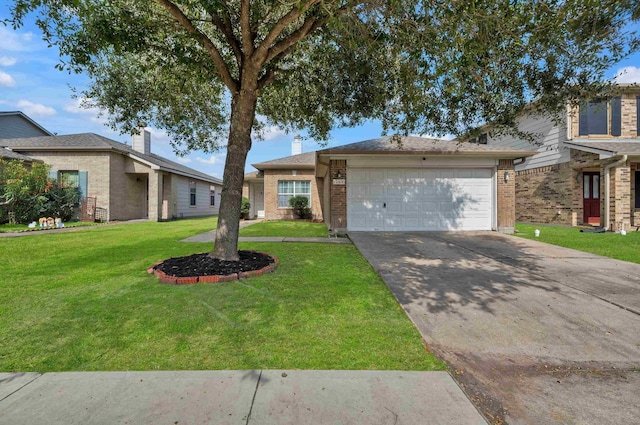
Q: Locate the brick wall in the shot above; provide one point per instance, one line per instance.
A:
(271, 178)
(506, 192)
(542, 192)
(338, 194)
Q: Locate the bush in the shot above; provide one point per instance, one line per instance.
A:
(245, 207)
(301, 205)
(61, 202)
(29, 194)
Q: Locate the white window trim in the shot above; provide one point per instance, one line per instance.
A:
(292, 194)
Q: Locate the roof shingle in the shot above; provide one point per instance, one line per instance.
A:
(92, 141)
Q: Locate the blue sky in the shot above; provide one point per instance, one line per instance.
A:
(30, 83)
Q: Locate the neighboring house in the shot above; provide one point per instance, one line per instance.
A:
(8, 154)
(395, 184)
(128, 182)
(14, 124)
(587, 169)
(277, 181)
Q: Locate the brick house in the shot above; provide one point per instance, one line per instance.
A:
(128, 182)
(587, 169)
(395, 184)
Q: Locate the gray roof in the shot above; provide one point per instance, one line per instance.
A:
(410, 144)
(303, 160)
(9, 154)
(620, 148)
(92, 141)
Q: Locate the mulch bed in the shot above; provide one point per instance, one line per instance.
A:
(202, 268)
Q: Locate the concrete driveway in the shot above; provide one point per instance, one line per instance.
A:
(534, 333)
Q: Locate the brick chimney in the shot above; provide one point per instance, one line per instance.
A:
(296, 146)
(141, 140)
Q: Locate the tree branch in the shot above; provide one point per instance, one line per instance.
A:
(245, 27)
(221, 65)
(311, 24)
(224, 25)
(285, 21)
(267, 78)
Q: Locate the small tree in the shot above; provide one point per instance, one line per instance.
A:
(301, 205)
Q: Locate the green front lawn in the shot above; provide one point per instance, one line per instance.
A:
(286, 229)
(613, 245)
(83, 301)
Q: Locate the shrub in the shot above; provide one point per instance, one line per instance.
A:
(301, 205)
(30, 194)
(245, 207)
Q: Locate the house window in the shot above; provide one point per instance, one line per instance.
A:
(595, 117)
(212, 197)
(69, 178)
(192, 194)
(287, 189)
(73, 178)
(637, 189)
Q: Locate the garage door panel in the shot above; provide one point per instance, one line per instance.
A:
(419, 199)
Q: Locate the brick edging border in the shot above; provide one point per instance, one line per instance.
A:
(175, 280)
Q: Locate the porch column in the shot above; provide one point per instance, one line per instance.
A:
(338, 209)
(155, 195)
(620, 198)
(506, 194)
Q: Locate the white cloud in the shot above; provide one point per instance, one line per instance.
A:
(270, 133)
(628, 74)
(7, 61)
(14, 41)
(213, 159)
(6, 80)
(35, 109)
(183, 160)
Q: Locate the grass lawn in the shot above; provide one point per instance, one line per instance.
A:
(613, 245)
(22, 227)
(294, 229)
(83, 301)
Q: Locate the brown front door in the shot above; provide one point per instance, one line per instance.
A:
(591, 197)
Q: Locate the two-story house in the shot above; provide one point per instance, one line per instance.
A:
(587, 169)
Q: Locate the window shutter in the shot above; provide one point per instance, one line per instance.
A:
(83, 178)
(583, 121)
(616, 116)
(638, 116)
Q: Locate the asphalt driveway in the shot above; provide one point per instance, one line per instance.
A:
(534, 333)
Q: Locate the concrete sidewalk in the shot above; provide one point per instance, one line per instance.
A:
(234, 397)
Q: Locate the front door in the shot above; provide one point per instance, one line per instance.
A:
(591, 197)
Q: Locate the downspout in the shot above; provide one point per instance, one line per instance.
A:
(622, 161)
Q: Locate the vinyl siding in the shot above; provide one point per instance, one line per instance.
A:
(14, 126)
(550, 137)
(203, 207)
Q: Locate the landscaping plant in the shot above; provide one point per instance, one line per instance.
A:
(301, 206)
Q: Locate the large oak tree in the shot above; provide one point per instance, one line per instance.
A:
(212, 72)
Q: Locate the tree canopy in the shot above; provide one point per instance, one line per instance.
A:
(211, 71)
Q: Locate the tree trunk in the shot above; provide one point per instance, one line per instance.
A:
(243, 111)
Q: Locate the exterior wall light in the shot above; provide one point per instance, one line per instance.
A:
(506, 176)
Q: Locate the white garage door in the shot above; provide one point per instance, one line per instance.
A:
(419, 199)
